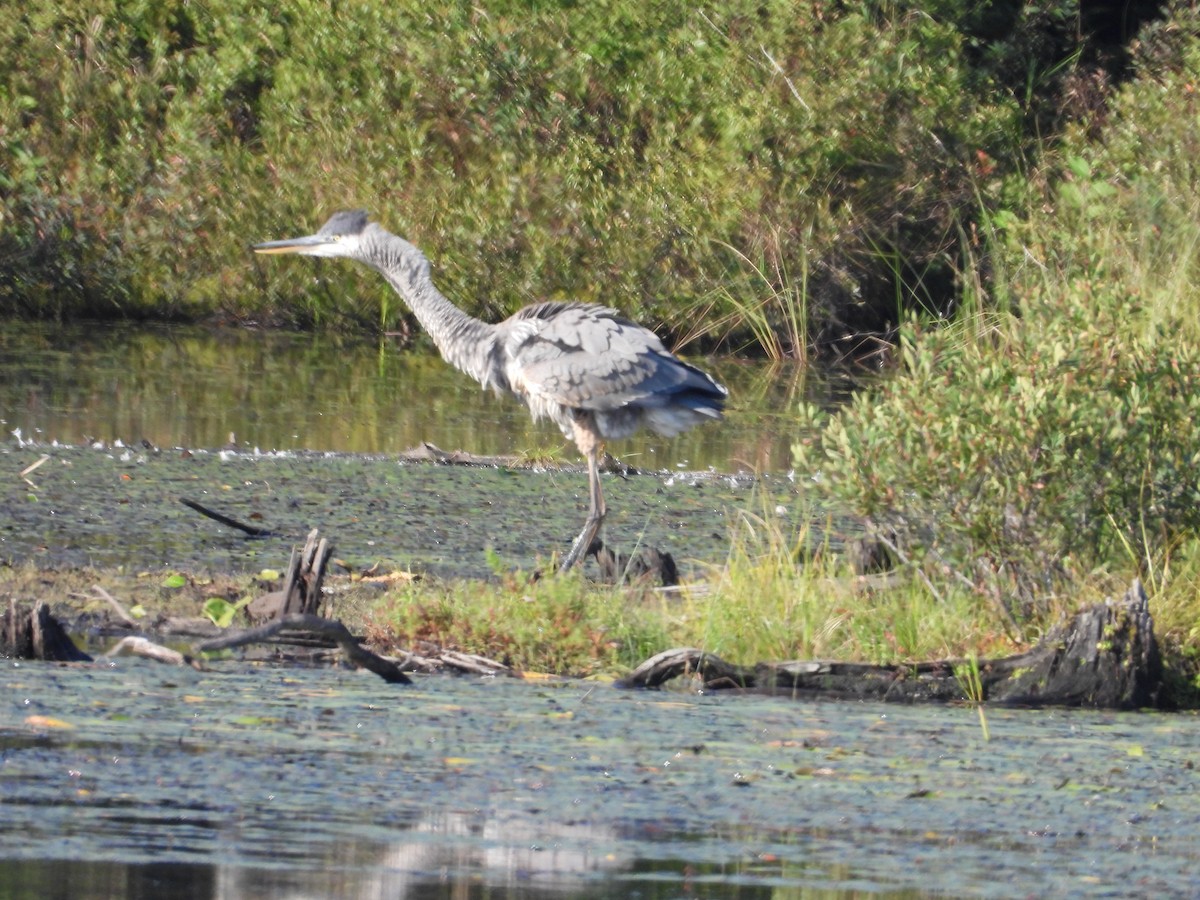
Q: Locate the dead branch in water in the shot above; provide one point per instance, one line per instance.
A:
(140, 646)
(251, 530)
(331, 629)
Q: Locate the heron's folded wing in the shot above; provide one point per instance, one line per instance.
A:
(589, 357)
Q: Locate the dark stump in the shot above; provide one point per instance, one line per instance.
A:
(1105, 657)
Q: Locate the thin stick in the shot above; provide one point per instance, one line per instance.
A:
(29, 468)
(117, 607)
(225, 520)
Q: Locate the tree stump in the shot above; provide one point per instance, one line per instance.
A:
(1105, 657)
(36, 634)
(648, 565)
(301, 594)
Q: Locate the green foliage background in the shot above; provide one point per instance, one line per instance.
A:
(678, 162)
(1048, 442)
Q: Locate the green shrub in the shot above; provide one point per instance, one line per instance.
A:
(1017, 452)
(1035, 452)
(636, 154)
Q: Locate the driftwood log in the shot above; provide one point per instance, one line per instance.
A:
(1105, 657)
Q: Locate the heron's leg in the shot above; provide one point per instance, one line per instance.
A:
(596, 512)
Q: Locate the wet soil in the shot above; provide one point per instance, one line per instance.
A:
(120, 508)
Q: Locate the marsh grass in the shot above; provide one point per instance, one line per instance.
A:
(776, 600)
(774, 310)
(773, 599)
(971, 682)
(560, 625)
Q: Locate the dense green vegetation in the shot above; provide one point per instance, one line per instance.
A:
(768, 174)
(1045, 448)
(1003, 194)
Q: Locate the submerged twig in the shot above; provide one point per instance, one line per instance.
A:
(251, 530)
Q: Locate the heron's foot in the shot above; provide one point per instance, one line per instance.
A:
(588, 543)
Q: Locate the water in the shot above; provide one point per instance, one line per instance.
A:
(119, 507)
(310, 396)
(199, 388)
(135, 779)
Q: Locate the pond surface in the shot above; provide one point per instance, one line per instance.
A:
(200, 388)
(135, 779)
(313, 424)
(131, 779)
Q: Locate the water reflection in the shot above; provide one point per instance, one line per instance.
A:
(192, 387)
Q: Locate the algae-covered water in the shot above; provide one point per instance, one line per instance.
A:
(138, 780)
(120, 507)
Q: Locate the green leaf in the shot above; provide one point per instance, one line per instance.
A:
(220, 611)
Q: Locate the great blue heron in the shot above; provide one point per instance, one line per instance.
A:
(596, 374)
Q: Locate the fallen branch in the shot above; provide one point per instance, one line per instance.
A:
(251, 530)
(331, 629)
(472, 664)
(30, 468)
(140, 646)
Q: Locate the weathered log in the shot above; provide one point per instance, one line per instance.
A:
(331, 629)
(714, 671)
(36, 634)
(427, 452)
(1105, 657)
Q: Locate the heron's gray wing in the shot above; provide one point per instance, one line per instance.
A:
(589, 357)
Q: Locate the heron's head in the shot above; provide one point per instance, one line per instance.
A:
(339, 236)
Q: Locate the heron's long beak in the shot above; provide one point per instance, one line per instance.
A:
(294, 245)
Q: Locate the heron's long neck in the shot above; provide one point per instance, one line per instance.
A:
(464, 341)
